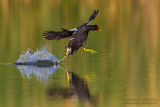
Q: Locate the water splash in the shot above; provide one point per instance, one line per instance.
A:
(41, 54)
(41, 64)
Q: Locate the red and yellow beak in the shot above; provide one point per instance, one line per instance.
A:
(98, 28)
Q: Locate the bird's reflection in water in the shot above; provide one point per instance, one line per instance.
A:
(78, 89)
(78, 86)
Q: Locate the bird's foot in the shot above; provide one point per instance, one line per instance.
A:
(91, 51)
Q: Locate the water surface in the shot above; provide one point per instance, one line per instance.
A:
(124, 73)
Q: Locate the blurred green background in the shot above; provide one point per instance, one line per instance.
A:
(126, 69)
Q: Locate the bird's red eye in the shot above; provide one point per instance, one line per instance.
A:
(98, 28)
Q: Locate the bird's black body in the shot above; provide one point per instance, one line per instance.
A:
(79, 38)
(78, 35)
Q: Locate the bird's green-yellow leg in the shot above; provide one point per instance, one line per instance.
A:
(91, 51)
(65, 55)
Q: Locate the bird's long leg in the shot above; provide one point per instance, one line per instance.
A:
(65, 55)
(64, 58)
(91, 51)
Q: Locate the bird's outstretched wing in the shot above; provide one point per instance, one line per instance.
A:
(93, 16)
(56, 35)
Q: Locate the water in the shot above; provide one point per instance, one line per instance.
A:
(125, 72)
(40, 64)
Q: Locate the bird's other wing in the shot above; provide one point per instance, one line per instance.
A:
(93, 16)
(56, 35)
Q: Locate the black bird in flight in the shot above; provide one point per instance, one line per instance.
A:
(78, 36)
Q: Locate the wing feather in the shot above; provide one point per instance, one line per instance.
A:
(95, 13)
(56, 35)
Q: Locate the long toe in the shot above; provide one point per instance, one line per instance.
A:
(93, 52)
